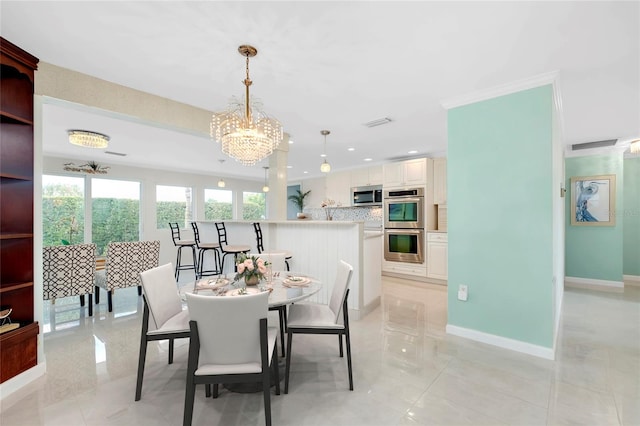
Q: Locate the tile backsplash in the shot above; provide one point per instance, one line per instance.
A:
(367, 214)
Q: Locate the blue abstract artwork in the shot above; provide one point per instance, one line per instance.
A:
(593, 200)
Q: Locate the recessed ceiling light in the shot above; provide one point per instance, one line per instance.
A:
(290, 140)
(323, 155)
(413, 151)
(368, 159)
(351, 149)
(305, 172)
(289, 167)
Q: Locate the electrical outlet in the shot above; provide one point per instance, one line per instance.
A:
(463, 292)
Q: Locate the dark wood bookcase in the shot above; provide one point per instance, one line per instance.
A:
(18, 347)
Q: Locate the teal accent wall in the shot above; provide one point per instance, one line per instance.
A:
(594, 252)
(631, 217)
(500, 216)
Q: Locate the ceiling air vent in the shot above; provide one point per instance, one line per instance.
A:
(378, 122)
(120, 154)
(591, 145)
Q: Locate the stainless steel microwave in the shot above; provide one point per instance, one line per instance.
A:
(366, 196)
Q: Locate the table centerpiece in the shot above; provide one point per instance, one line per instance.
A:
(251, 268)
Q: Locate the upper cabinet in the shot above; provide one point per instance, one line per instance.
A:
(440, 181)
(366, 176)
(405, 173)
(338, 188)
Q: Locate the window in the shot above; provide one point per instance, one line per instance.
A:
(254, 206)
(218, 204)
(115, 212)
(173, 204)
(62, 210)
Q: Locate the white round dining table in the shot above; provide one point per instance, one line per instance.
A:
(283, 290)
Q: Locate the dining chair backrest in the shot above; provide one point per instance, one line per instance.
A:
(161, 294)
(276, 260)
(68, 270)
(228, 327)
(340, 286)
(125, 261)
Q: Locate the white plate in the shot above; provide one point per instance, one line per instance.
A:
(212, 284)
(296, 281)
(250, 290)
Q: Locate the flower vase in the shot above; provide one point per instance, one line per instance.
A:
(252, 280)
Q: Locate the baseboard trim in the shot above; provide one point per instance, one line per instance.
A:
(633, 280)
(501, 342)
(18, 382)
(370, 307)
(592, 283)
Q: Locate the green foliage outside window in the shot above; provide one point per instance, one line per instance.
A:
(112, 220)
(254, 206)
(171, 211)
(216, 210)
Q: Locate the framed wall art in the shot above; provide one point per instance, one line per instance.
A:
(593, 200)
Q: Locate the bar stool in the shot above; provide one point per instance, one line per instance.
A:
(202, 249)
(260, 245)
(226, 248)
(180, 243)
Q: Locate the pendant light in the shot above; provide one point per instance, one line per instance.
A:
(221, 183)
(325, 167)
(246, 134)
(265, 188)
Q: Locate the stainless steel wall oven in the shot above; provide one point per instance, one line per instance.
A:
(404, 225)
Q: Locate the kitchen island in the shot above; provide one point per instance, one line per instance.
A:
(317, 246)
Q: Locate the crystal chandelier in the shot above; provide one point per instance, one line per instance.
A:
(88, 139)
(245, 135)
(325, 167)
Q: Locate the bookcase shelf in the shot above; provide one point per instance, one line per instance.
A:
(19, 346)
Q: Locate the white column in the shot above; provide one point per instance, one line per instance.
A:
(277, 195)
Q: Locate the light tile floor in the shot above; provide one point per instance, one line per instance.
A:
(407, 371)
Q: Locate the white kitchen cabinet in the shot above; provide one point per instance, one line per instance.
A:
(414, 269)
(440, 181)
(366, 176)
(338, 188)
(437, 255)
(406, 173)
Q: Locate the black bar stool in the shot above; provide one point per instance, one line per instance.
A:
(260, 245)
(180, 243)
(202, 249)
(226, 248)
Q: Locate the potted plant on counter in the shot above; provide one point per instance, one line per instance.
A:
(298, 200)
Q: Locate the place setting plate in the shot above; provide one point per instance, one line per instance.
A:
(212, 284)
(296, 281)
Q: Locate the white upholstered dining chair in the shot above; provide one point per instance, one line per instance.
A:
(277, 262)
(312, 318)
(230, 343)
(163, 317)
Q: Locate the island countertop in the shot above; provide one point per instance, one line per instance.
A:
(317, 247)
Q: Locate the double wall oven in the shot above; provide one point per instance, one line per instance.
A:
(404, 225)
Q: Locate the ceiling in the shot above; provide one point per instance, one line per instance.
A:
(330, 65)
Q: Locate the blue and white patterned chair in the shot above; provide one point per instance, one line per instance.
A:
(69, 271)
(125, 261)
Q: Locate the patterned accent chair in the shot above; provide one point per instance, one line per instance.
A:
(69, 271)
(125, 261)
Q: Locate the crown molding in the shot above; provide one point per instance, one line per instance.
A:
(505, 89)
